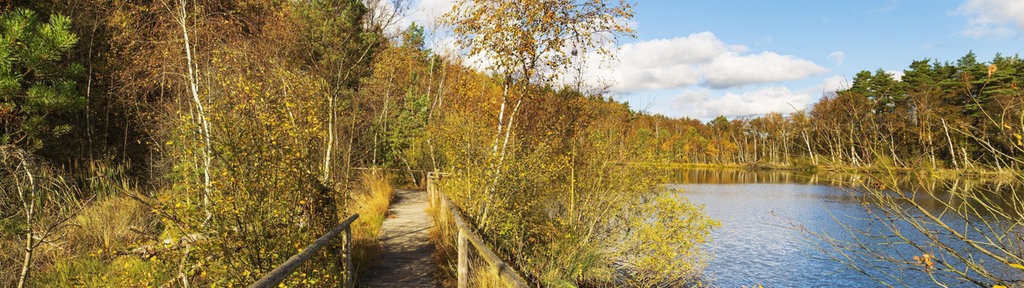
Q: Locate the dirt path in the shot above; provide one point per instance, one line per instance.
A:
(406, 260)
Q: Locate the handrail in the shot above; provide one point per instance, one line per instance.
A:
(507, 273)
(274, 277)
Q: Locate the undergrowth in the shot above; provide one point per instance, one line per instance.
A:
(371, 200)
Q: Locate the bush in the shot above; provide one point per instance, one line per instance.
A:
(371, 200)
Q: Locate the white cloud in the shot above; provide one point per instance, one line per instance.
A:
(733, 70)
(896, 74)
(693, 49)
(448, 47)
(699, 103)
(426, 12)
(699, 59)
(834, 83)
(838, 57)
(992, 17)
(688, 97)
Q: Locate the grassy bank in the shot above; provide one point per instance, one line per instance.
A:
(1004, 174)
(370, 199)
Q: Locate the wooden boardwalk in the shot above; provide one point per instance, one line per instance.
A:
(407, 257)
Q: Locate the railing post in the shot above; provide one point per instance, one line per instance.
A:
(463, 268)
(274, 277)
(350, 270)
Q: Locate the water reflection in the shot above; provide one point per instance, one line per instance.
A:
(744, 176)
(762, 211)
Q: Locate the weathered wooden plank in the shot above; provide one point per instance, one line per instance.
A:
(350, 269)
(406, 260)
(463, 268)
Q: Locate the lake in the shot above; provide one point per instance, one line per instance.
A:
(759, 242)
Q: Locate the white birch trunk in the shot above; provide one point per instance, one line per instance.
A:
(204, 129)
(28, 203)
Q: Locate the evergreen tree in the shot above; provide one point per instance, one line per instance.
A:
(37, 83)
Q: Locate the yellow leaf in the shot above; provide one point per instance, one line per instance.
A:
(1018, 266)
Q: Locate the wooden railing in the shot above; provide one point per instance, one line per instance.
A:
(273, 278)
(440, 201)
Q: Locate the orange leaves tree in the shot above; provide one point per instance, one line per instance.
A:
(522, 40)
(253, 184)
(550, 189)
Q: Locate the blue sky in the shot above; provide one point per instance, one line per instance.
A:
(701, 59)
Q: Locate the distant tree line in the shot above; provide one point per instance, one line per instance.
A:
(934, 117)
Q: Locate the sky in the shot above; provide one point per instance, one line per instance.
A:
(743, 58)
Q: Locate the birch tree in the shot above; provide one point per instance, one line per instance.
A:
(532, 41)
(37, 195)
(203, 124)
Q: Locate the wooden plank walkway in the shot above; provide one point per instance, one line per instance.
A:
(407, 257)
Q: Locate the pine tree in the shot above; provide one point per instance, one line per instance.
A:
(37, 82)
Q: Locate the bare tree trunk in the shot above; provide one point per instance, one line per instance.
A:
(494, 149)
(807, 141)
(381, 120)
(501, 117)
(931, 149)
(27, 263)
(351, 142)
(435, 104)
(508, 131)
(204, 129)
(785, 145)
(854, 157)
(27, 195)
(952, 152)
(332, 115)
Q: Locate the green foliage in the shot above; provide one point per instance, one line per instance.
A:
(406, 128)
(331, 32)
(38, 83)
(412, 37)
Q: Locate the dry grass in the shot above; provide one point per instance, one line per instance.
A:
(480, 276)
(443, 235)
(85, 251)
(371, 199)
(99, 225)
(10, 255)
(112, 224)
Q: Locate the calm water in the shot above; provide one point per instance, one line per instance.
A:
(758, 242)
